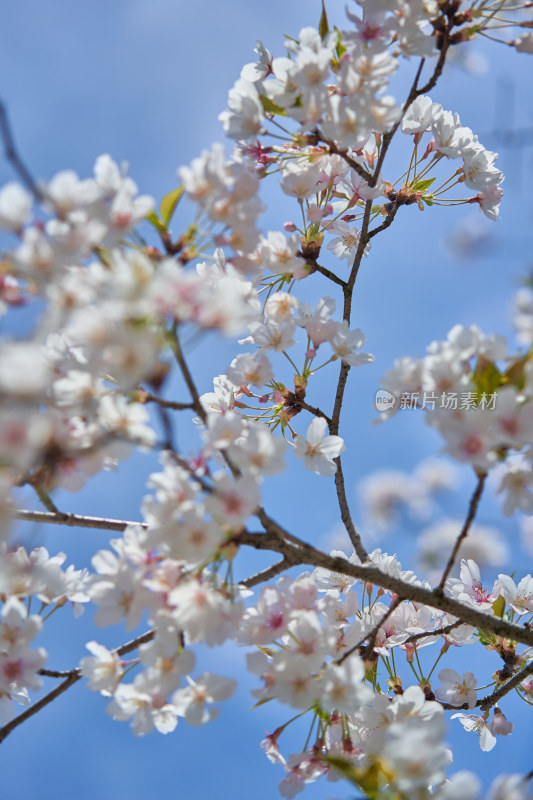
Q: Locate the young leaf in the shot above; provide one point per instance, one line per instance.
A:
(486, 377)
(422, 186)
(339, 47)
(499, 606)
(261, 703)
(323, 25)
(154, 220)
(169, 203)
(269, 107)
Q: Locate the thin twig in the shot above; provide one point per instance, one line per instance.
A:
(344, 153)
(388, 137)
(327, 273)
(168, 428)
(314, 410)
(437, 632)
(372, 634)
(472, 510)
(56, 673)
(487, 702)
(72, 677)
(45, 498)
(267, 574)
(75, 520)
(346, 516)
(147, 397)
(389, 219)
(44, 701)
(187, 376)
(15, 160)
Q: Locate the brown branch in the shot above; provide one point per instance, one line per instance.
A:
(327, 273)
(278, 540)
(187, 376)
(487, 702)
(54, 673)
(11, 154)
(372, 634)
(147, 397)
(346, 516)
(339, 393)
(339, 396)
(302, 553)
(277, 533)
(343, 152)
(45, 498)
(267, 574)
(389, 219)
(5, 730)
(314, 410)
(75, 520)
(437, 72)
(472, 510)
(437, 632)
(73, 676)
(388, 137)
(359, 253)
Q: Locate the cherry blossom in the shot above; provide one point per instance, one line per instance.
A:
(457, 690)
(477, 725)
(317, 450)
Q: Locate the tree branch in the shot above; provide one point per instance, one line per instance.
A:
(346, 516)
(300, 552)
(372, 634)
(187, 376)
(437, 632)
(327, 273)
(11, 154)
(267, 574)
(487, 702)
(389, 219)
(278, 540)
(314, 410)
(73, 677)
(472, 510)
(343, 152)
(147, 397)
(75, 520)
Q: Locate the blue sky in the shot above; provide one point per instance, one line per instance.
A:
(145, 81)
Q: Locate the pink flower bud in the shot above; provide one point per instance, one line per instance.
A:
(500, 725)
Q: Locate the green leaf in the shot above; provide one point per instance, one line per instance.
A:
(515, 374)
(486, 377)
(261, 703)
(323, 25)
(269, 107)
(339, 47)
(422, 186)
(486, 637)
(169, 203)
(154, 220)
(499, 606)
(370, 779)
